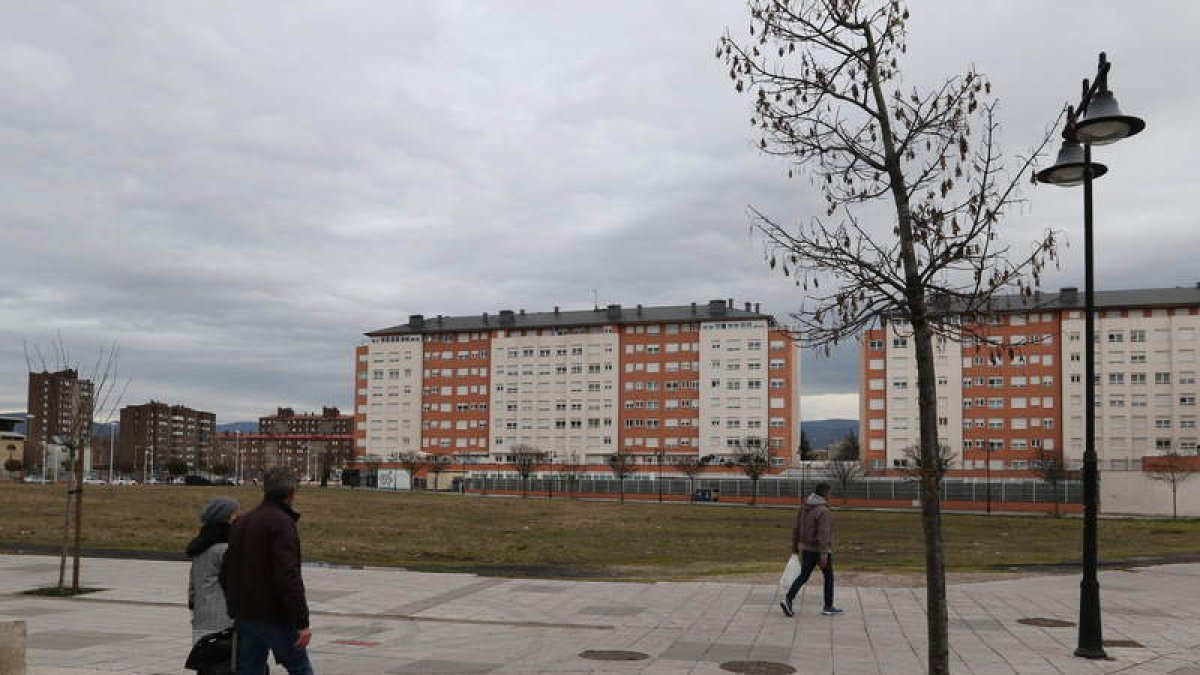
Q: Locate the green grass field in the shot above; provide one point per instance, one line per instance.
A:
(571, 539)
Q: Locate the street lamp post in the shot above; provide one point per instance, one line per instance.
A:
(1097, 120)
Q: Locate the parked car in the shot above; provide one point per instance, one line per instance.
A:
(196, 480)
(124, 481)
(91, 480)
(39, 480)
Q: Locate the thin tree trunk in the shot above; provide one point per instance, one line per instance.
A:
(931, 508)
(931, 514)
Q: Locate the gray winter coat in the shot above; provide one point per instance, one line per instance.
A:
(205, 596)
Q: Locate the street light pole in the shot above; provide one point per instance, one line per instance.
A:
(1097, 120)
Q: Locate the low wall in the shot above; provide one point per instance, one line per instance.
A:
(1135, 493)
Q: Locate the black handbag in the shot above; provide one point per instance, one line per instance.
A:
(214, 653)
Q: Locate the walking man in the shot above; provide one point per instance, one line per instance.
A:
(812, 539)
(263, 587)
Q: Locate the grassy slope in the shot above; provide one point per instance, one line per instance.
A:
(567, 538)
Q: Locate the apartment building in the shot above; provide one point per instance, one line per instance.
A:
(155, 434)
(59, 405)
(656, 382)
(305, 442)
(1014, 393)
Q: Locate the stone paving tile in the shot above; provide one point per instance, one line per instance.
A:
(409, 622)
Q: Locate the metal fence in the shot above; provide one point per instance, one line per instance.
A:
(889, 489)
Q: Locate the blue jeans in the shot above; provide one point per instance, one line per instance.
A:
(809, 560)
(256, 638)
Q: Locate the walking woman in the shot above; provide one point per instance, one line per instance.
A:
(205, 597)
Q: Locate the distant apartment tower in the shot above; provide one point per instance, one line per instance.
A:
(59, 405)
(329, 422)
(154, 434)
(1002, 408)
(305, 442)
(656, 382)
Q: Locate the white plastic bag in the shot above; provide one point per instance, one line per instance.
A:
(790, 573)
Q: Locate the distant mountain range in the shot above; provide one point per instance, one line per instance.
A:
(823, 432)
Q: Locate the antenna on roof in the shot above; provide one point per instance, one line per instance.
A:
(595, 300)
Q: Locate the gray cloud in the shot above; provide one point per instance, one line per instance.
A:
(234, 192)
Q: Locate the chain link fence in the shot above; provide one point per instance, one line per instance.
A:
(871, 489)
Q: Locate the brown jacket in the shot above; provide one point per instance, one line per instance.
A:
(814, 526)
(261, 570)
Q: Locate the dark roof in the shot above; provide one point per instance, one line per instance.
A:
(716, 310)
(1070, 298)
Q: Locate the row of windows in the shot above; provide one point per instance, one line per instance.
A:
(999, 445)
(1018, 402)
(1119, 422)
(668, 404)
(559, 369)
(1140, 400)
(1187, 377)
(1139, 335)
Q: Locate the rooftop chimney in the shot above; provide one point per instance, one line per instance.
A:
(716, 307)
(556, 310)
(758, 308)
(485, 318)
(613, 313)
(693, 309)
(748, 306)
(416, 321)
(507, 318)
(1068, 295)
(439, 319)
(639, 309)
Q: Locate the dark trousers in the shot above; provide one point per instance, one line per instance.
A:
(256, 638)
(808, 561)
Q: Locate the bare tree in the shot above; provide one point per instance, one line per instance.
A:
(103, 395)
(1048, 465)
(843, 473)
(915, 463)
(525, 460)
(1172, 469)
(437, 466)
(753, 462)
(413, 463)
(622, 465)
(570, 469)
(691, 466)
(824, 79)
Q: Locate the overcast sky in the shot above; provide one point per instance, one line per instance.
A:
(235, 191)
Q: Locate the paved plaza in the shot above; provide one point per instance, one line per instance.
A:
(393, 621)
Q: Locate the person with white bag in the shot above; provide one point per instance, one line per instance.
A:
(812, 540)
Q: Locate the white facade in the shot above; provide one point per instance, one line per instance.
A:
(557, 393)
(898, 376)
(735, 385)
(393, 390)
(1146, 386)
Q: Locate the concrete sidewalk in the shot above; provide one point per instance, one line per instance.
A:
(392, 621)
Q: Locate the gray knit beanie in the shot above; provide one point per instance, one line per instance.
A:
(218, 510)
